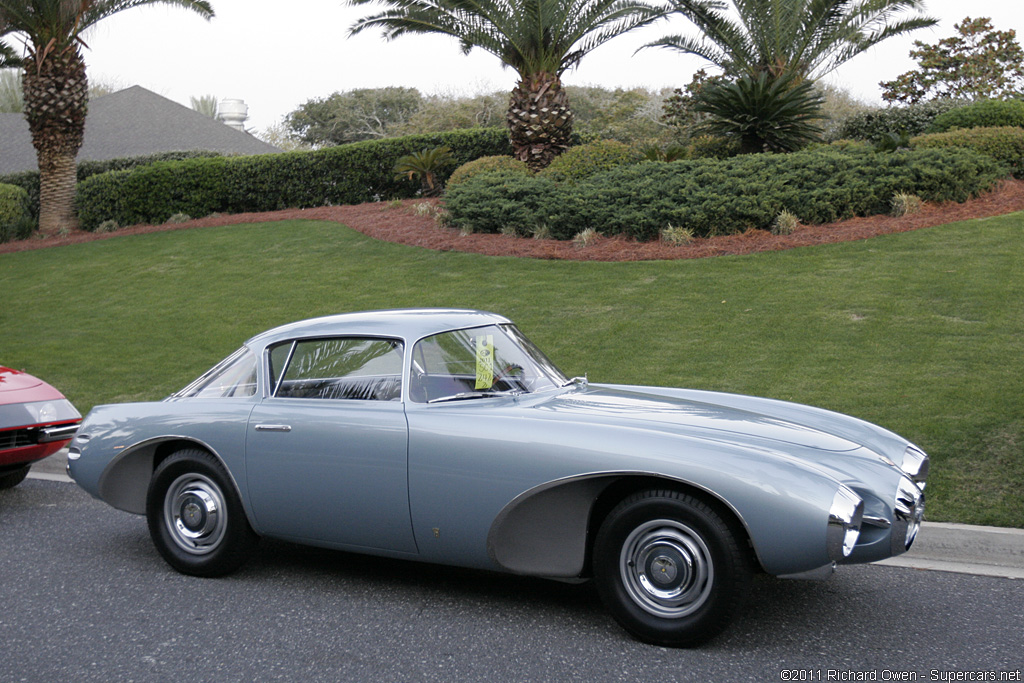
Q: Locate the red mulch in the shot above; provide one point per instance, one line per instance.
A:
(402, 226)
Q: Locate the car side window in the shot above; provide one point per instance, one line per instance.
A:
(234, 377)
(339, 368)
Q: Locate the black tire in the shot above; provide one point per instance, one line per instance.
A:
(669, 569)
(11, 478)
(195, 517)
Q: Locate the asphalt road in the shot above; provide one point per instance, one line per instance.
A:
(84, 597)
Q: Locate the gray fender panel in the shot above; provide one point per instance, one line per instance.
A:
(543, 531)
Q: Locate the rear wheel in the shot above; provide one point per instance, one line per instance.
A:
(11, 478)
(669, 569)
(195, 517)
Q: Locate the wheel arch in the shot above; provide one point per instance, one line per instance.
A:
(549, 530)
(125, 481)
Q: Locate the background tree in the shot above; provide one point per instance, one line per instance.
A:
(11, 100)
(279, 135)
(56, 87)
(977, 63)
(539, 39)
(362, 114)
(444, 112)
(678, 109)
(628, 115)
(205, 105)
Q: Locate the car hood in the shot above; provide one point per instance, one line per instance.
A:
(701, 419)
(21, 387)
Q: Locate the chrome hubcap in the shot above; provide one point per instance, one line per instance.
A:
(666, 568)
(194, 513)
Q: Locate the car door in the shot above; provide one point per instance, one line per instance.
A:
(327, 450)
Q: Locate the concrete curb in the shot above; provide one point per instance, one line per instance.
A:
(966, 549)
(940, 546)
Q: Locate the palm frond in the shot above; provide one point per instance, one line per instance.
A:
(809, 37)
(530, 36)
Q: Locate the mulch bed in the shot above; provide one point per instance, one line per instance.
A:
(401, 225)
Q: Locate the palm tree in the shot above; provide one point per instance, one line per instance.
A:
(425, 166)
(764, 114)
(539, 39)
(56, 88)
(806, 37)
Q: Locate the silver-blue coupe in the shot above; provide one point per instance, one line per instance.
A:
(446, 436)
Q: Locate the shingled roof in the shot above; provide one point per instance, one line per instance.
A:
(129, 123)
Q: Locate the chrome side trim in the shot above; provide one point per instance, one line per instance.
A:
(880, 522)
(915, 465)
(844, 520)
(908, 512)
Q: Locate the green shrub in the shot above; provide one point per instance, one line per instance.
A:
(713, 147)
(712, 197)
(501, 202)
(875, 124)
(347, 174)
(1005, 143)
(14, 213)
(984, 114)
(583, 161)
(488, 164)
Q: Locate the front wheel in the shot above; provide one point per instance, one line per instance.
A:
(195, 517)
(669, 569)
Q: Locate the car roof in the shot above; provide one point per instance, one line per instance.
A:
(409, 323)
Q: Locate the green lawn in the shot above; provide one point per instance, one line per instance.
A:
(921, 332)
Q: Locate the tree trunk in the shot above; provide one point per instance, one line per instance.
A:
(56, 101)
(539, 120)
(57, 179)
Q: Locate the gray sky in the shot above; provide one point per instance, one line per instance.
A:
(276, 56)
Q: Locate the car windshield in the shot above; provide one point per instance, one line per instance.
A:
(477, 363)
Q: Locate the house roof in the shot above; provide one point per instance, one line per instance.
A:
(129, 123)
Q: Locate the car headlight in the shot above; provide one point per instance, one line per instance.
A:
(48, 412)
(915, 464)
(844, 520)
(42, 411)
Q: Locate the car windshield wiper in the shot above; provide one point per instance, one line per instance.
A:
(578, 381)
(465, 395)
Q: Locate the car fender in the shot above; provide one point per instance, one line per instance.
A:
(113, 456)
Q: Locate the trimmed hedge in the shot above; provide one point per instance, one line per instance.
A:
(1004, 143)
(14, 216)
(985, 114)
(712, 197)
(347, 174)
(876, 124)
(29, 180)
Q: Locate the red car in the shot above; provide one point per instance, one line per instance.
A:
(35, 421)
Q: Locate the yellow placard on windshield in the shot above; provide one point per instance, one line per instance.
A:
(484, 361)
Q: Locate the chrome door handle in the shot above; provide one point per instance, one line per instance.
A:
(273, 428)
